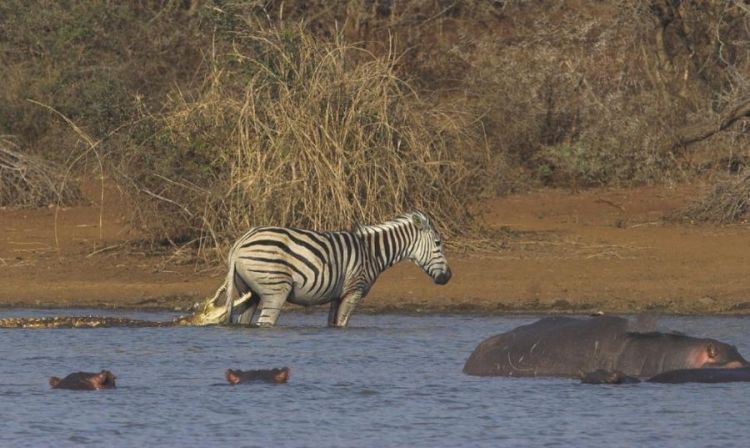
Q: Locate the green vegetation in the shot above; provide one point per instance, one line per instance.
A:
(218, 115)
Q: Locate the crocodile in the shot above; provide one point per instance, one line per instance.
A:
(206, 314)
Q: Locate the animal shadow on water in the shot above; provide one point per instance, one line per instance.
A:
(602, 376)
(678, 376)
(275, 376)
(84, 381)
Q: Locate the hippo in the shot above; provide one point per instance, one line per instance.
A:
(602, 376)
(84, 381)
(277, 376)
(741, 374)
(571, 347)
(704, 375)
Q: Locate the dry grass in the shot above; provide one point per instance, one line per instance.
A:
(729, 202)
(219, 115)
(27, 181)
(288, 130)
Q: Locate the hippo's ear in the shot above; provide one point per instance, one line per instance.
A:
(712, 351)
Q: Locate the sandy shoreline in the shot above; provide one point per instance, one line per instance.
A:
(599, 250)
(183, 306)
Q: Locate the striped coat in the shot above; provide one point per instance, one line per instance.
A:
(269, 266)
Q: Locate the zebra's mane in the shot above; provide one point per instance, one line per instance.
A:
(399, 221)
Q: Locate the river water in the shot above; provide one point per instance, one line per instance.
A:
(388, 380)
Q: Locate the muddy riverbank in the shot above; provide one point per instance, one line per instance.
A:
(598, 250)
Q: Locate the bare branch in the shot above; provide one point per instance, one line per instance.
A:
(701, 131)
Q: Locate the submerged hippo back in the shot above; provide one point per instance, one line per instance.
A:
(717, 375)
(553, 346)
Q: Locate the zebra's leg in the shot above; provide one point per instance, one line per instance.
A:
(346, 307)
(270, 305)
(244, 309)
(333, 312)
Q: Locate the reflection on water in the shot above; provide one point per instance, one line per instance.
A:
(390, 380)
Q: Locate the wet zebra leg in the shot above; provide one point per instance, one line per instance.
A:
(346, 307)
(270, 306)
(333, 312)
(244, 309)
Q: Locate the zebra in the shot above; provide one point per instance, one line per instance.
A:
(269, 266)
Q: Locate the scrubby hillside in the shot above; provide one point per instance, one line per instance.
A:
(217, 115)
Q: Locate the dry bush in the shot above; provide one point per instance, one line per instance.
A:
(233, 128)
(729, 202)
(88, 59)
(433, 40)
(701, 62)
(27, 181)
(289, 130)
(566, 90)
(574, 92)
(567, 94)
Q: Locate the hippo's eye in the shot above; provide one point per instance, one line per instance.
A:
(711, 350)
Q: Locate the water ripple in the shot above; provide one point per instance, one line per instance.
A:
(390, 380)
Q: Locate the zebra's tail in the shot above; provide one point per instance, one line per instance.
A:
(229, 286)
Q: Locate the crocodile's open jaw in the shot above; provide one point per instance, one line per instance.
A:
(206, 314)
(209, 313)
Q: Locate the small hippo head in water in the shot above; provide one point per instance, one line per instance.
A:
(84, 381)
(277, 376)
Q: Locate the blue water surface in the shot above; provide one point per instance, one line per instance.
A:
(388, 380)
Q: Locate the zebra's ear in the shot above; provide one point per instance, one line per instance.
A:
(420, 221)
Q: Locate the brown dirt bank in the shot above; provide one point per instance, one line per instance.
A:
(606, 250)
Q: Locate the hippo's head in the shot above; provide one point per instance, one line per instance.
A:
(712, 353)
(277, 376)
(103, 380)
(85, 381)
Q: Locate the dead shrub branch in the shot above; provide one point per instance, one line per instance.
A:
(27, 181)
(728, 202)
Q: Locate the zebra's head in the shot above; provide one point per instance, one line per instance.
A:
(427, 251)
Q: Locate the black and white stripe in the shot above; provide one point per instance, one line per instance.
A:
(269, 266)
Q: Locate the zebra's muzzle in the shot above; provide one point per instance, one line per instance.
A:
(443, 277)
